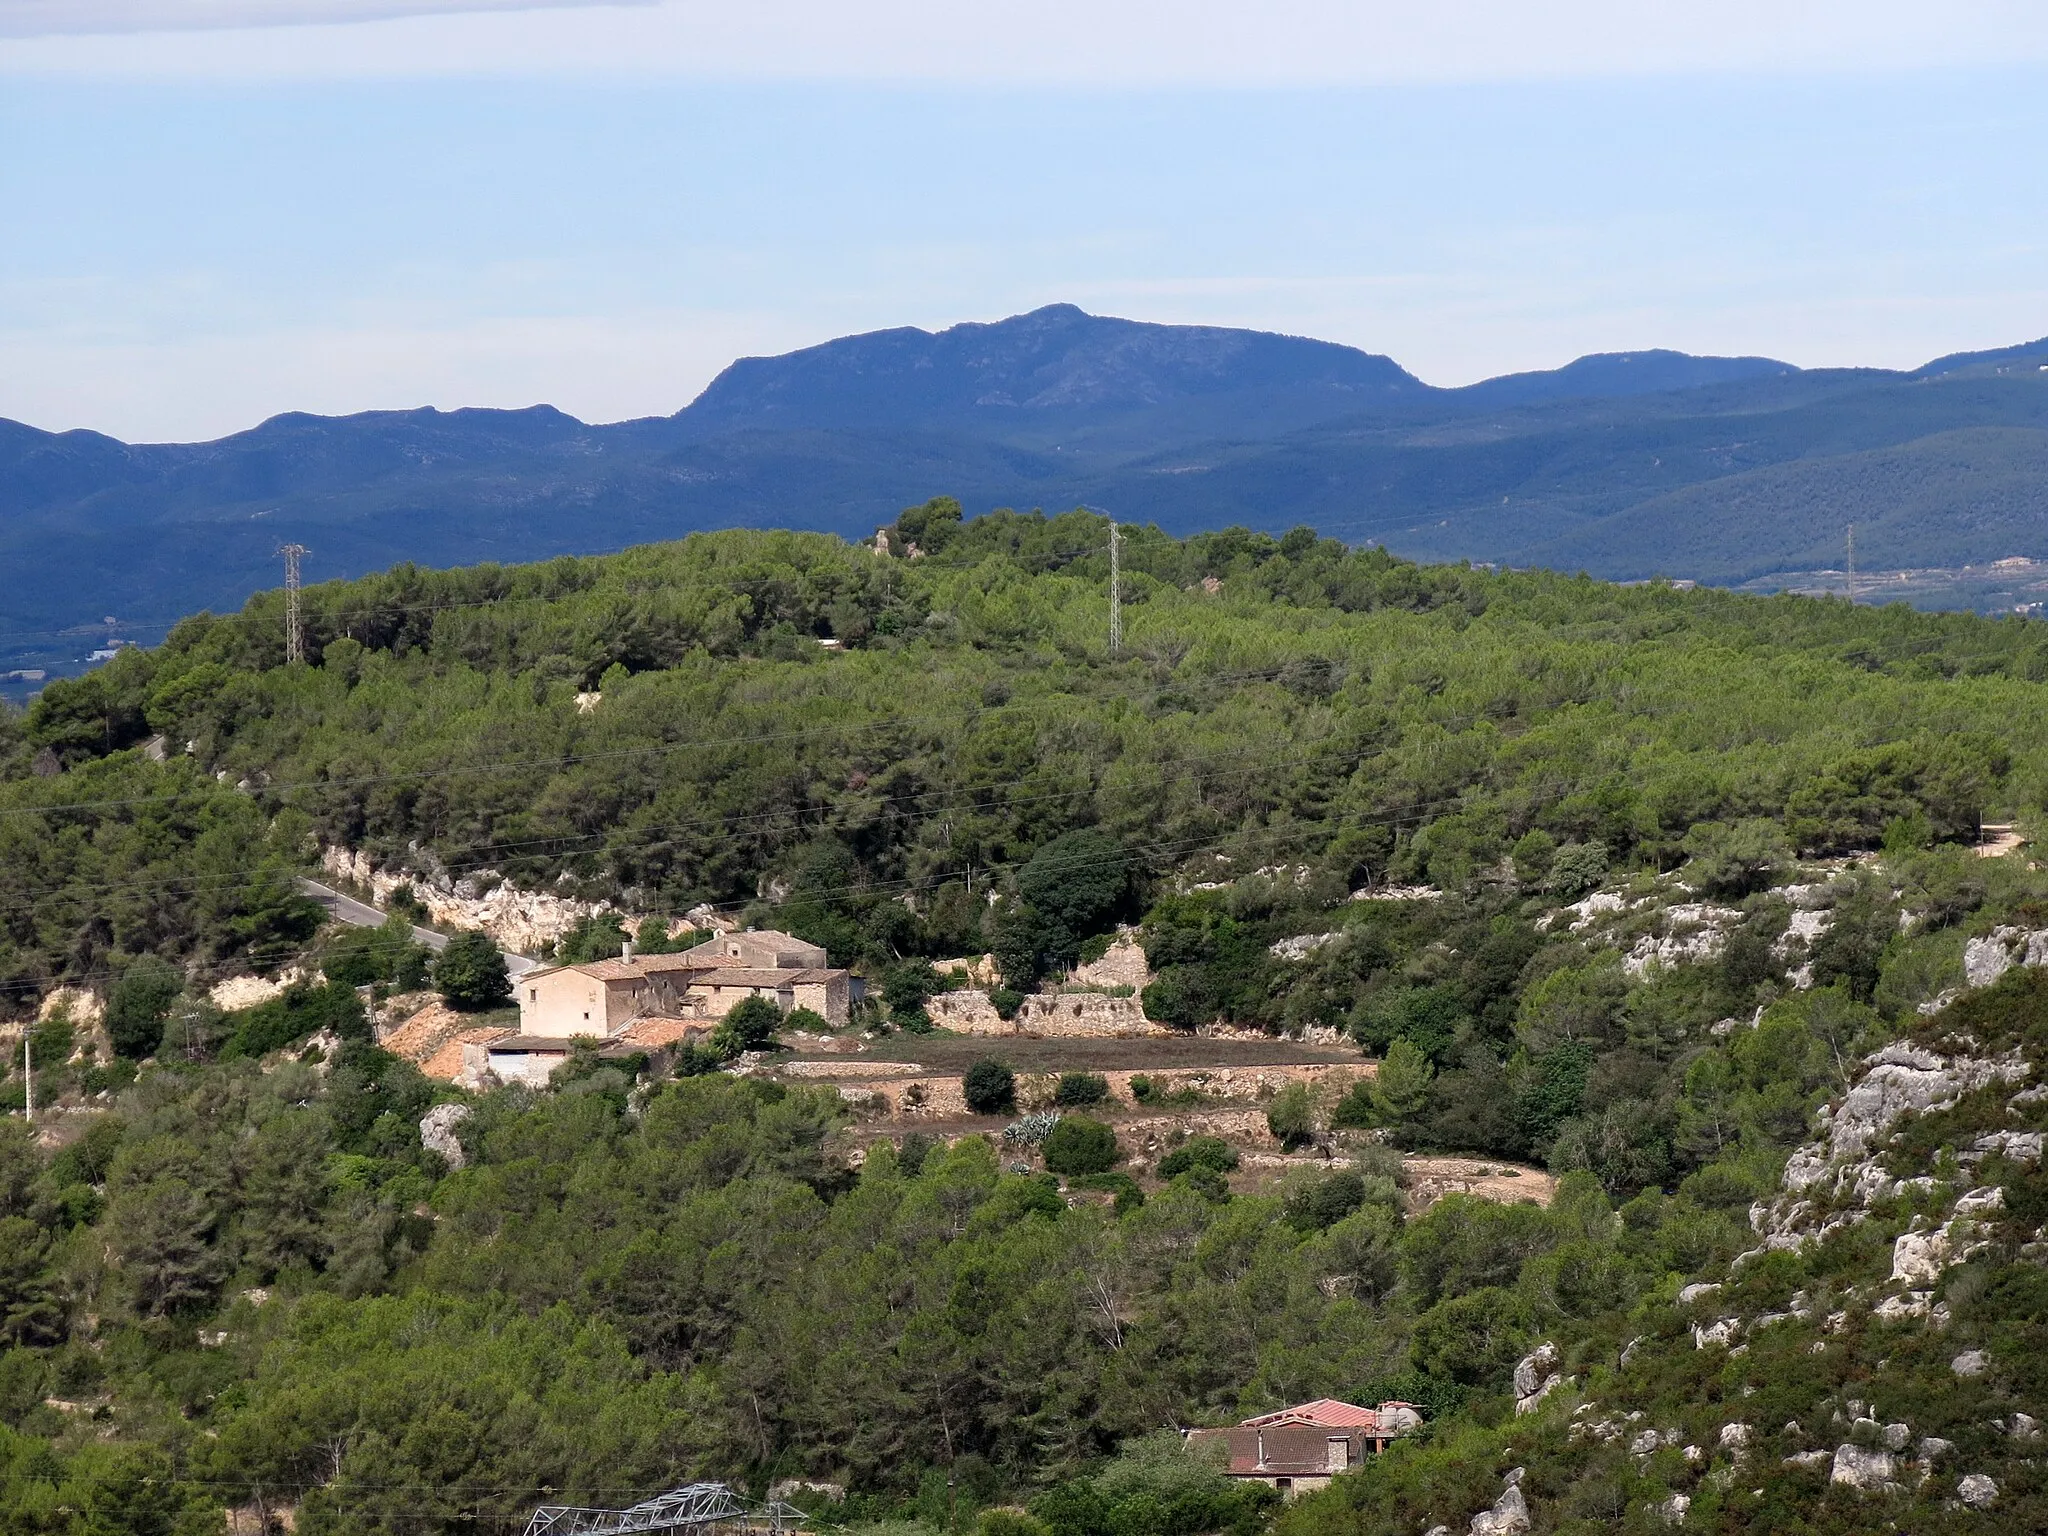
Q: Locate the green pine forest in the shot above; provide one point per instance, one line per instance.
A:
(237, 1279)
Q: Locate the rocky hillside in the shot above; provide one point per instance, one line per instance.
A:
(1876, 1360)
(1698, 902)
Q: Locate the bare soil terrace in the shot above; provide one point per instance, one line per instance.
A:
(956, 1053)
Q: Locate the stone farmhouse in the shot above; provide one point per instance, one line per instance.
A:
(643, 1002)
(698, 986)
(1298, 1450)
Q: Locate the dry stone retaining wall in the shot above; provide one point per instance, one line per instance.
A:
(1066, 1015)
(907, 1091)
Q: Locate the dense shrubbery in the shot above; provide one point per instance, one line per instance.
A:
(1154, 1488)
(1199, 1152)
(387, 955)
(634, 1282)
(300, 1011)
(138, 1003)
(470, 973)
(1079, 1090)
(750, 1025)
(1375, 720)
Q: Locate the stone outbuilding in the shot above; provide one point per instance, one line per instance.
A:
(534, 1059)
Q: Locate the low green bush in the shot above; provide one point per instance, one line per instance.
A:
(1128, 1195)
(990, 1087)
(1079, 1145)
(1209, 1152)
(1079, 1090)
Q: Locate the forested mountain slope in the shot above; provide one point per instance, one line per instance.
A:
(1412, 713)
(1693, 859)
(1625, 464)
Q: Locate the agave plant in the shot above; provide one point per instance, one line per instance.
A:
(1032, 1128)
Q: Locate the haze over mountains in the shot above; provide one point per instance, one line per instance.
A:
(1626, 465)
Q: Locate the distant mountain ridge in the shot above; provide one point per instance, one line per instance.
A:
(1058, 359)
(1613, 375)
(1625, 464)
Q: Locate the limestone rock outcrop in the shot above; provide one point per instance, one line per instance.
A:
(1977, 1491)
(524, 922)
(1867, 1471)
(1509, 1515)
(437, 1132)
(1536, 1377)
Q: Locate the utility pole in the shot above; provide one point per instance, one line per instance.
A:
(1852, 565)
(294, 630)
(28, 1069)
(1116, 594)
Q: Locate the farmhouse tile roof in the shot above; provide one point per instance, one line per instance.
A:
(445, 1064)
(744, 976)
(632, 970)
(1325, 1412)
(640, 967)
(656, 1033)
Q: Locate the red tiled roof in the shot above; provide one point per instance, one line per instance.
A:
(445, 1065)
(703, 971)
(1325, 1412)
(717, 950)
(656, 1033)
(745, 976)
(638, 966)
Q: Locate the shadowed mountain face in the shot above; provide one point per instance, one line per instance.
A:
(1054, 363)
(1625, 464)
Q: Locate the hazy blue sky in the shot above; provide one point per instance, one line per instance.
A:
(210, 218)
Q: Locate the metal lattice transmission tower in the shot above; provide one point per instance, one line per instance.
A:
(1116, 589)
(701, 1509)
(294, 626)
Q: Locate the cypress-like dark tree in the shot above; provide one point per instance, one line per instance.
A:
(990, 1087)
(138, 1004)
(471, 973)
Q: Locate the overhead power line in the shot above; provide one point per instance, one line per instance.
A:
(553, 843)
(567, 760)
(371, 608)
(482, 855)
(1271, 837)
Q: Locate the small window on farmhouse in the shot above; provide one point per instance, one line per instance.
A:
(533, 994)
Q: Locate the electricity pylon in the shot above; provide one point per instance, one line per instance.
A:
(294, 629)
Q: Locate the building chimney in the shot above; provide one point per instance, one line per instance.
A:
(627, 953)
